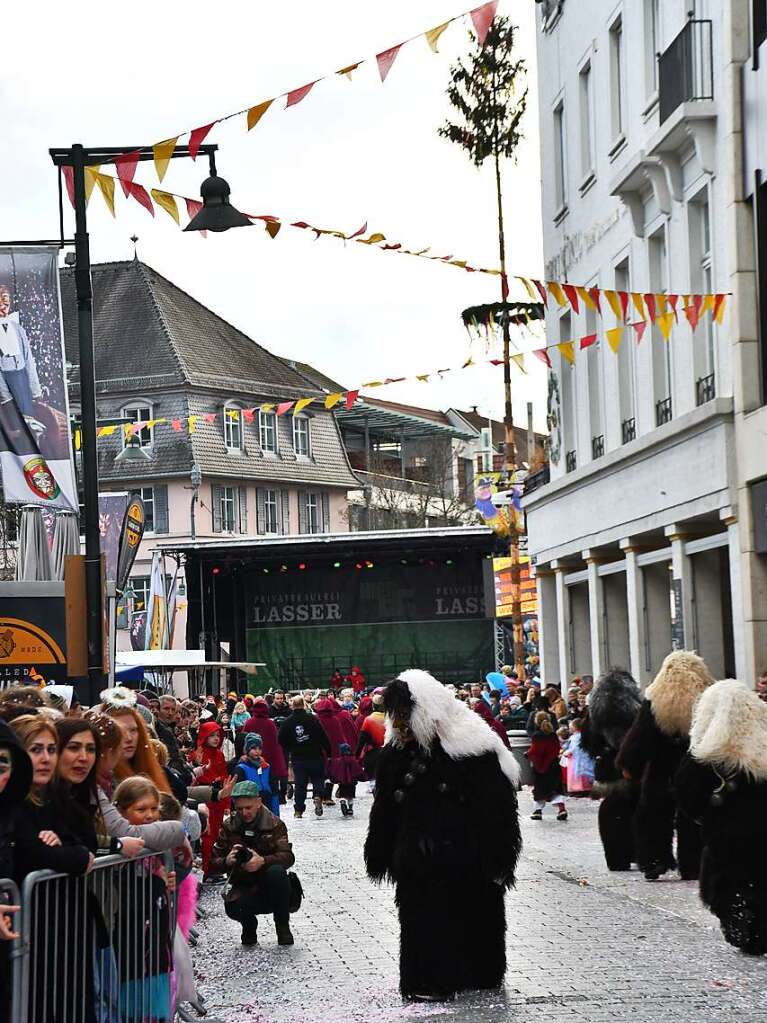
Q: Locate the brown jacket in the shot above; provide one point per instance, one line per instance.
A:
(267, 836)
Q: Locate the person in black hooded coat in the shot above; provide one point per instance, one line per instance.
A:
(15, 782)
(612, 708)
(444, 828)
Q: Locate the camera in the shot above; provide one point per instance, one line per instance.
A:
(242, 856)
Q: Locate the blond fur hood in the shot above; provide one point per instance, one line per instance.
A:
(682, 678)
(729, 729)
(437, 714)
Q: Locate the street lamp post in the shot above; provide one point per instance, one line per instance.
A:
(216, 215)
(196, 478)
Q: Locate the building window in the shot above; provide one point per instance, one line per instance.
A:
(233, 427)
(569, 420)
(230, 509)
(267, 431)
(301, 444)
(587, 123)
(147, 498)
(560, 159)
(139, 414)
(661, 349)
(268, 511)
(701, 282)
(313, 512)
(617, 86)
(626, 355)
(594, 367)
(155, 501)
(141, 585)
(652, 35)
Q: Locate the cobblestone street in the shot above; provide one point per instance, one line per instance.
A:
(584, 946)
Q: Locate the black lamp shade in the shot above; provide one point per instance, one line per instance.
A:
(217, 213)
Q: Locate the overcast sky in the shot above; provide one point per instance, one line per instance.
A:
(117, 74)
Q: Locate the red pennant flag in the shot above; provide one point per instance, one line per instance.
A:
(542, 292)
(692, 316)
(360, 232)
(543, 355)
(176, 424)
(210, 417)
(588, 341)
(386, 59)
(715, 312)
(697, 301)
(482, 19)
(572, 296)
(273, 228)
(196, 139)
(640, 328)
(298, 94)
(284, 406)
(351, 397)
(496, 362)
(193, 207)
(672, 301)
(69, 181)
(624, 300)
(650, 303)
(140, 194)
(300, 223)
(248, 413)
(595, 293)
(125, 166)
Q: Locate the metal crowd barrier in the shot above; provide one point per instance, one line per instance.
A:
(97, 947)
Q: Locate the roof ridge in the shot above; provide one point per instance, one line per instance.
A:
(142, 268)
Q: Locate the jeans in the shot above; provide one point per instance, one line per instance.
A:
(303, 772)
(271, 895)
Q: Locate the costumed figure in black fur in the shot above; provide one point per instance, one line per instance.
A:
(611, 710)
(722, 784)
(444, 828)
(651, 753)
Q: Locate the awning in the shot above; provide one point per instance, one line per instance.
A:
(172, 660)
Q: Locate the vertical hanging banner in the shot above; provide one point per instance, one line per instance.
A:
(131, 533)
(156, 637)
(35, 447)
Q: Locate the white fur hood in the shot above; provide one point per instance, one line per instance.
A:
(729, 729)
(437, 714)
(682, 678)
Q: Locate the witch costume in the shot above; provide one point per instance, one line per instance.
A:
(722, 784)
(612, 708)
(444, 829)
(651, 754)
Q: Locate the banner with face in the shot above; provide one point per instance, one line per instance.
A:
(35, 443)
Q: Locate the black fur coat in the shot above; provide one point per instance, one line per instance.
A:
(446, 832)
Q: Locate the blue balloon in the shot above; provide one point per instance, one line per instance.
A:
(497, 681)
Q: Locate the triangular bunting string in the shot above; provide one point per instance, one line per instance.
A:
(588, 341)
(482, 19)
(140, 194)
(168, 203)
(665, 322)
(301, 404)
(614, 337)
(386, 59)
(255, 113)
(432, 36)
(640, 328)
(107, 188)
(126, 170)
(197, 137)
(163, 151)
(297, 95)
(567, 348)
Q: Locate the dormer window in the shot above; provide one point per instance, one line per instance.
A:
(140, 412)
(301, 437)
(267, 431)
(233, 427)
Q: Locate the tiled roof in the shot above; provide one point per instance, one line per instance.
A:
(480, 422)
(319, 379)
(150, 333)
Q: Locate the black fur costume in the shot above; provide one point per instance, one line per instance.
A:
(445, 830)
(723, 786)
(612, 708)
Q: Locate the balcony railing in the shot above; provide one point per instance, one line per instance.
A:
(686, 68)
(629, 430)
(570, 461)
(537, 479)
(598, 446)
(705, 389)
(663, 411)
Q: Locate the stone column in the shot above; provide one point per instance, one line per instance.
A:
(683, 637)
(596, 612)
(548, 642)
(563, 622)
(730, 519)
(635, 599)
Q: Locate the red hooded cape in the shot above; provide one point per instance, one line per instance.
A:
(262, 724)
(486, 714)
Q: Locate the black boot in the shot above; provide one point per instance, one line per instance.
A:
(344, 808)
(250, 932)
(284, 934)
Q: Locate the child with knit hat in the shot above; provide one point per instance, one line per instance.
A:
(252, 766)
(345, 770)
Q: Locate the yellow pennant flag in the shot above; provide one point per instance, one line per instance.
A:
(151, 423)
(534, 296)
(614, 303)
(192, 423)
(665, 322)
(373, 239)
(638, 300)
(257, 112)
(556, 290)
(469, 362)
(301, 404)
(107, 189)
(432, 36)
(78, 439)
(614, 338)
(519, 362)
(586, 298)
(374, 383)
(168, 203)
(458, 262)
(567, 348)
(91, 177)
(661, 303)
(423, 377)
(332, 400)
(162, 154)
(349, 70)
(707, 304)
(266, 407)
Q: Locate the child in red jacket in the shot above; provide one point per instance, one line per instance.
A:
(210, 766)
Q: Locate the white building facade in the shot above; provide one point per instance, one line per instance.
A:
(639, 538)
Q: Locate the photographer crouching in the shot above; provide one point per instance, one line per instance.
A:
(253, 848)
